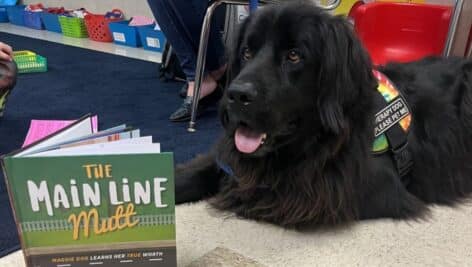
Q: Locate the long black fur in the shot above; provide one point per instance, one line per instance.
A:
(316, 166)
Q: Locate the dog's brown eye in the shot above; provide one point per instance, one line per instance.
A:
(247, 55)
(293, 56)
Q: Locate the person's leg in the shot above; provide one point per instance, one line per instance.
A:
(181, 21)
(215, 51)
(176, 34)
(190, 14)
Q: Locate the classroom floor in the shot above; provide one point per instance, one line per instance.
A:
(137, 53)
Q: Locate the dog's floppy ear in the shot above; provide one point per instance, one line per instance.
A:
(345, 73)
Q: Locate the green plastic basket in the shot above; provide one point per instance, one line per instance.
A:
(30, 62)
(24, 55)
(73, 27)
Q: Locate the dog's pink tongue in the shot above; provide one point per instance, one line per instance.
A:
(247, 140)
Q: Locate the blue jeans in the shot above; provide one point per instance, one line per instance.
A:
(181, 21)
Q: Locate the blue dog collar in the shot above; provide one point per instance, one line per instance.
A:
(225, 168)
(230, 173)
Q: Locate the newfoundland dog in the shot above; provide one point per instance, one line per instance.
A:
(311, 139)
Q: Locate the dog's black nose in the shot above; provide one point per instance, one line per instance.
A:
(242, 93)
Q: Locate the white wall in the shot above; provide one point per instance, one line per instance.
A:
(129, 7)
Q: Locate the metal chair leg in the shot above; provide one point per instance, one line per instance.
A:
(169, 54)
(453, 27)
(201, 58)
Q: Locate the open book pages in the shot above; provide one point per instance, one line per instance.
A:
(82, 136)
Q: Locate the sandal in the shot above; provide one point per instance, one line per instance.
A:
(184, 112)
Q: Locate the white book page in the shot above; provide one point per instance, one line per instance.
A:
(122, 146)
(114, 130)
(80, 129)
(119, 150)
(111, 131)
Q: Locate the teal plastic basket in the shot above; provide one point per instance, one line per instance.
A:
(29, 62)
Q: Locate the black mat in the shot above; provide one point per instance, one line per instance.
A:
(117, 89)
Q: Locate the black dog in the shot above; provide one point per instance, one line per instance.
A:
(299, 119)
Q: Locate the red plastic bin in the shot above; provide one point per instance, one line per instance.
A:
(401, 32)
(98, 28)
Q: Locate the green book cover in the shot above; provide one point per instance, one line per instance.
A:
(100, 210)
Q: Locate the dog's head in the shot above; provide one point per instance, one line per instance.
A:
(297, 75)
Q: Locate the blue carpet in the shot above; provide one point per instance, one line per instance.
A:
(117, 89)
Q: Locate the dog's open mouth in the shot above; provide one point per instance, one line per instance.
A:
(248, 140)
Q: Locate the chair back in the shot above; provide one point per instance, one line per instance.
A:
(401, 32)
